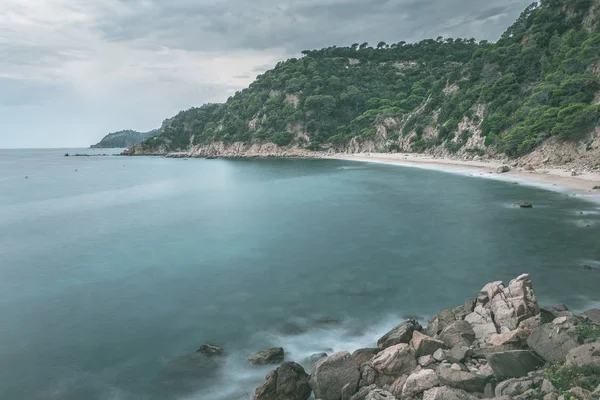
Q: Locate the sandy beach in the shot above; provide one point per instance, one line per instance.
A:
(552, 178)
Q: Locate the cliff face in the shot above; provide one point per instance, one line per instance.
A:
(533, 95)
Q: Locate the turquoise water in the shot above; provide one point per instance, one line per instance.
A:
(109, 272)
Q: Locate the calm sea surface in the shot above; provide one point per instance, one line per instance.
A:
(111, 267)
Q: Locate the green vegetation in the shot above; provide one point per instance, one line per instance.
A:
(564, 377)
(587, 331)
(123, 139)
(537, 81)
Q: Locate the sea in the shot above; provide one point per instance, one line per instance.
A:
(113, 268)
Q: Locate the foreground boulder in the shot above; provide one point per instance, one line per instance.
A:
(593, 315)
(461, 379)
(419, 382)
(587, 355)
(514, 364)
(288, 382)
(330, 375)
(426, 345)
(447, 393)
(552, 341)
(396, 360)
(458, 333)
(400, 334)
(274, 355)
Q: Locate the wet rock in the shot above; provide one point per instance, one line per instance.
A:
(513, 387)
(288, 382)
(400, 334)
(461, 380)
(273, 355)
(396, 360)
(522, 204)
(426, 345)
(458, 333)
(312, 359)
(587, 355)
(211, 350)
(331, 374)
(447, 393)
(514, 364)
(552, 342)
(419, 382)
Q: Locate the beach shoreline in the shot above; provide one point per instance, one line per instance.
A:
(554, 178)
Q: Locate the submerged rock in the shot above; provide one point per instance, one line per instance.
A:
(211, 350)
(522, 204)
(273, 355)
(288, 382)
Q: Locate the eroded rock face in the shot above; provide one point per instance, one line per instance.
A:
(267, 356)
(482, 323)
(419, 382)
(396, 360)
(587, 355)
(288, 382)
(400, 334)
(458, 333)
(552, 342)
(331, 374)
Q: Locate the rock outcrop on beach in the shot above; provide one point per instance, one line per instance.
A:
(499, 345)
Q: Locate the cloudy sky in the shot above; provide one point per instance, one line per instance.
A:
(73, 70)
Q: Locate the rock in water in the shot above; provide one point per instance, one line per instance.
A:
(514, 363)
(211, 350)
(522, 204)
(400, 334)
(288, 382)
(396, 360)
(330, 375)
(312, 360)
(273, 355)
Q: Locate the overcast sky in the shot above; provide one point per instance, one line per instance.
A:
(73, 70)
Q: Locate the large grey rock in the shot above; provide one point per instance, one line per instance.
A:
(552, 342)
(458, 333)
(587, 355)
(426, 345)
(397, 386)
(363, 355)
(331, 374)
(482, 323)
(312, 360)
(593, 315)
(288, 382)
(461, 379)
(482, 352)
(369, 376)
(516, 303)
(513, 387)
(458, 353)
(448, 393)
(362, 393)
(396, 360)
(400, 334)
(267, 356)
(518, 337)
(380, 394)
(446, 317)
(514, 364)
(419, 382)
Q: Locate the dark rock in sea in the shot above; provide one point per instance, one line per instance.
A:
(503, 169)
(211, 350)
(514, 363)
(292, 328)
(313, 359)
(273, 355)
(288, 382)
(523, 204)
(587, 267)
(67, 155)
(596, 188)
(327, 321)
(400, 334)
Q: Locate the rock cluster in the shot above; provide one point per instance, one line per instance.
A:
(497, 345)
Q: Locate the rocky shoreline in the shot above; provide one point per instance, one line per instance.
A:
(498, 345)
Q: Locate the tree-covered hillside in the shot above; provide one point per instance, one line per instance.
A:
(540, 79)
(122, 139)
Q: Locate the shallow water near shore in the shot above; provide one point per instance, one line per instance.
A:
(110, 267)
